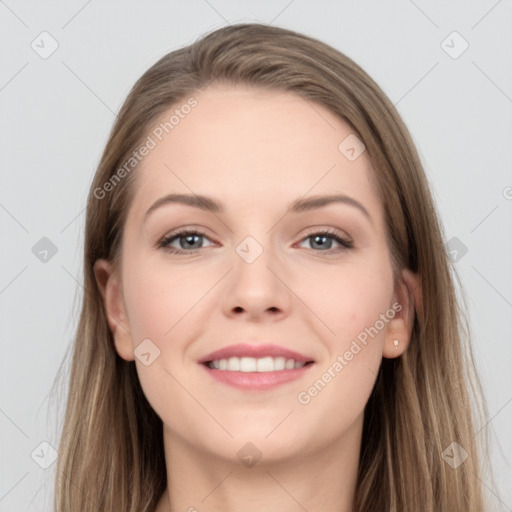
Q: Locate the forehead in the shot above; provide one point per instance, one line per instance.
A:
(249, 148)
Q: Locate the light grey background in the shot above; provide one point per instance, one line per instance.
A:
(57, 112)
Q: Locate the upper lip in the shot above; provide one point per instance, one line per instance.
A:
(256, 351)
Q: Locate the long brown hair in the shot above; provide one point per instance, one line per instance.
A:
(111, 455)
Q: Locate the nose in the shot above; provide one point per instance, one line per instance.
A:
(257, 290)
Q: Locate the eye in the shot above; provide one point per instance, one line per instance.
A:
(189, 241)
(324, 240)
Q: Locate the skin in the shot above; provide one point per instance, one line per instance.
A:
(256, 151)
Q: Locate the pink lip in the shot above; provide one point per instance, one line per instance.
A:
(256, 351)
(257, 381)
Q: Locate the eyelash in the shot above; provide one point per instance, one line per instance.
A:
(345, 243)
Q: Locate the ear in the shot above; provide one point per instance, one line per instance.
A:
(110, 288)
(407, 302)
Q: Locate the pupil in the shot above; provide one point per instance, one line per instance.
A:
(320, 237)
(190, 239)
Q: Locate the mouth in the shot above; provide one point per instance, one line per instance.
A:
(256, 367)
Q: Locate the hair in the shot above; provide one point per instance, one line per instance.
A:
(111, 454)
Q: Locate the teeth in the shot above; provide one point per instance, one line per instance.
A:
(265, 364)
(251, 364)
(247, 364)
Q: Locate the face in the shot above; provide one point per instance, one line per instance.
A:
(316, 280)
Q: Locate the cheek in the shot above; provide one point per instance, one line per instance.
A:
(161, 302)
(351, 299)
(355, 303)
(160, 296)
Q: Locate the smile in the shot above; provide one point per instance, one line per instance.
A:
(252, 364)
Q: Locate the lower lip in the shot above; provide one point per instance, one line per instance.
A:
(254, 381)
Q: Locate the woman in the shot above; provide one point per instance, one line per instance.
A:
(269, 320)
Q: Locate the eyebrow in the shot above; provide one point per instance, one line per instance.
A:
(209, 204)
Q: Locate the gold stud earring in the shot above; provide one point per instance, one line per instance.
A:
(395, 343)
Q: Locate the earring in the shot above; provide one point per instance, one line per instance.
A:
(395, 343)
